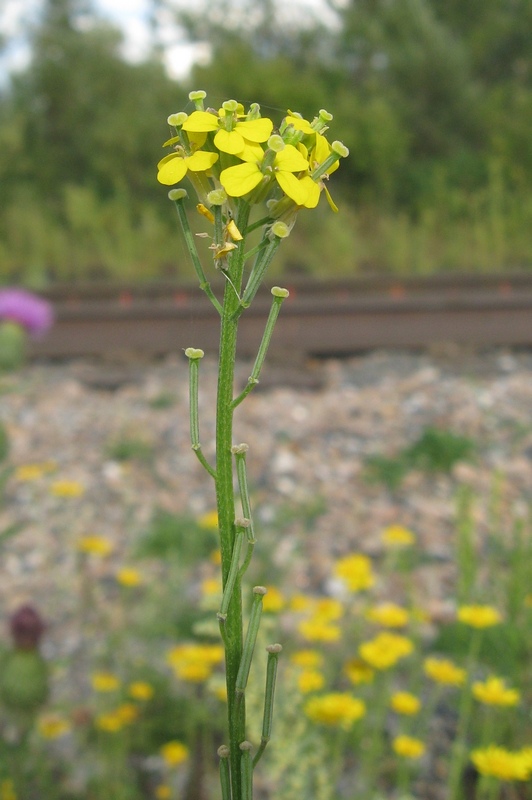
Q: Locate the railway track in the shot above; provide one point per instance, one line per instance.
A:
(319, 318)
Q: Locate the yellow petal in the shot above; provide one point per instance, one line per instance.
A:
(173, 140)
(204, 211)
(252, 152)
(172, 169)
(292, 187)
(233, 231)
(201, 121)
(331, 202)
(241, 179)
(291, 160)
(201, 160)
(299, 124)
(313, 192)
(229, 142)
(256, 130)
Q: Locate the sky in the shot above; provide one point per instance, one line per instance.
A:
(132, 17)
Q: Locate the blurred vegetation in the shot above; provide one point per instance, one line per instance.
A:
(433, 99)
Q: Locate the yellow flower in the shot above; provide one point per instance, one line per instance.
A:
(497, 762)
(273, 601)
(173, 167)
(243, 178)
(494, 692)
(388, 614)
(479, 616)
(385, 650)
(358, 671)
(209, 520)
(316, 629)
(210, 587)
(127, 576)
(335, 709)
(104, 682)
(140, 690)
(328, 609)
(194, 663)
(53, 726)
(301, 602)
(232, 135)
(307, 659)
(355, 571)
(408, 747)
(397, 536)
(405, 703)
(110, 722)
(7, 790)
(95, 545)
(163, 792)
(67, 489)
(127, 713)
(32, 472)
(174, 753)
(442, 670)
(310, 680)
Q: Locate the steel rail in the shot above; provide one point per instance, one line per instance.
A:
(319, 318)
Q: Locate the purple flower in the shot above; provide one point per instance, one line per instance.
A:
(28, 310)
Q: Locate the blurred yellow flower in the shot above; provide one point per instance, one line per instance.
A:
(355, 571)
(310, 680)
(408, 747)
(385, 650)
(109, 722)
(328, 609)
(405, 703)
(479, 616)
(273, 601)
(210, 587)
(316, 629)
(127, 576)
(209, 520)
(194, 663)
(163, 792)
(127, 713)
(67, 489)
(95, 545)
(358, 671)
(104, 682)
(32, 472)
(301, 602)
(442, 670)
(140, 690)
(307, 658)
(174, 753)
(497, 762)
(53, 726)
(397, 536)
(494, 692)
(390, 615)
(336, 709)
(7, 790)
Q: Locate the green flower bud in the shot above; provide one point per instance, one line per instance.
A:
(217, 197)
(177, 119)
(277, 291)
(230, 105)
(254, 111)
(276, 143)
(340, 149)
(177, 194)
(194, 352)
(280, 229)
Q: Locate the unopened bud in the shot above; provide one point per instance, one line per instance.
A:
(177, 119)
(280, 229)
(254, 111)
(277, 291)
(276, 143)
(177, 194)
(217, 197)
(340, 149)
(194, 352)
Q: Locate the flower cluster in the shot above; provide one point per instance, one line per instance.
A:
(244, 154)
(194, 663)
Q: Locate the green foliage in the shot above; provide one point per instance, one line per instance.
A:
(179, 536)
(127, 448)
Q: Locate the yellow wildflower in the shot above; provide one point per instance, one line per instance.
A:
(210, 587)
(67, 489)
(494, 692)
(388, 614)
(173, 167)
(163, 792)
(479, 616)
(174, 753)
(328, 609)
(355, 571)
(53, 726)
(335, 709)
(310, 680)
(194, 663)
(110, 722)
(316, 629)
(209, 520)
(32, 472)
(405, 703)
(243, 178)
(307, 659)
(408, 747)
(95, 545)
(358, 671)
(232, 134)
(273, 601)
(301, 602)
(104, 682)
(396, 536)
(7, 790)
(385, 650)
(497, 762)
(127, 713)
(127, 576)
(442, 670)
(140, 690)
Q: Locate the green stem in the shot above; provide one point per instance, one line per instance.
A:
(271, 676)
(194, 356)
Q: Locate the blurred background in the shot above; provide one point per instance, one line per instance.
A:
(433, 99)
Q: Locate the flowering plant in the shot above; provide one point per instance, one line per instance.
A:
(21, 313)
(237, 162)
